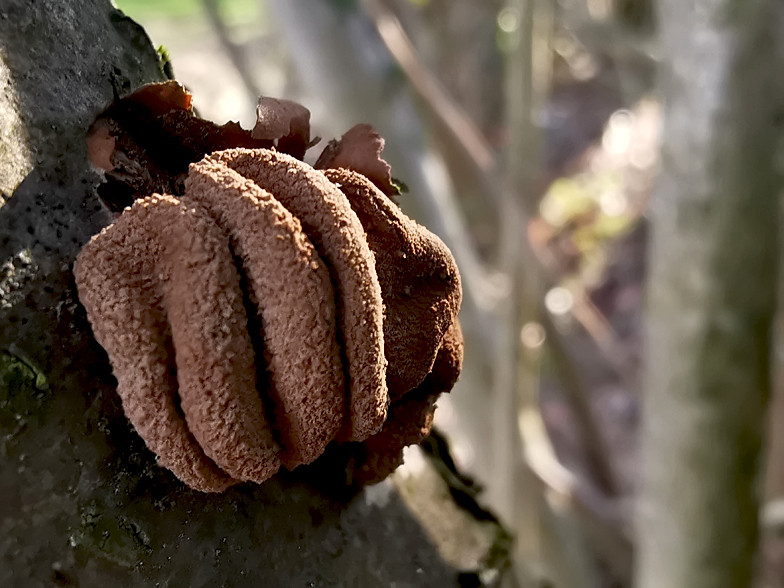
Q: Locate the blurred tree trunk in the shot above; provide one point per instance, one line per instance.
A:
(711, 292)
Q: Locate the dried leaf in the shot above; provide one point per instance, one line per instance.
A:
(359, 150)
(284, 121)
(161, 98)
(146, 141)
(100, 146)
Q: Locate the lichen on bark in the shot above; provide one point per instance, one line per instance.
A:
(24, 391)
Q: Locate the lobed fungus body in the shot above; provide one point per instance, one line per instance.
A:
(419, 281)
(290, 288)
(161, 278)
(335, 230)
(272, 309)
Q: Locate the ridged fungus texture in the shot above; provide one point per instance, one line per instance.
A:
(333, 227)
(270, 309)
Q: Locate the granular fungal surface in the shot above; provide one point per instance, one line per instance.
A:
(270, 311)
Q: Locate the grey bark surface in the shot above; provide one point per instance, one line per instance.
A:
(82, 502)
(712, 293)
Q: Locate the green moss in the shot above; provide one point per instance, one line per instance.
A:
(24, 391)
(115, 538)
(401, 186)
(165, 59)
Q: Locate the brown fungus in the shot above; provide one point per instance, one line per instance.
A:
(291, 289)
(411, 418)
(271, 309)
(161, 279)
(328, 219)
(419, 281)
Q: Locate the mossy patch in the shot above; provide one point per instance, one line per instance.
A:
(116, 538)
(166, 64)
(24, 391)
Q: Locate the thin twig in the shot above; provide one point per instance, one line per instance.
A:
(428, 88)
(602, 333)
(477, 152)
(603, 520)
(593, 441)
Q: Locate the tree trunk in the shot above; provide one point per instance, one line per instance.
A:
(82, 502)
(711, 292)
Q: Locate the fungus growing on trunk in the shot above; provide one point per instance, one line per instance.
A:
(270, 309)
(161, 279)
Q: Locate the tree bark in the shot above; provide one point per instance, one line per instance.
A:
(711, 292)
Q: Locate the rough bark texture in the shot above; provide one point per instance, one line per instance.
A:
(82, 502)
(711, 292)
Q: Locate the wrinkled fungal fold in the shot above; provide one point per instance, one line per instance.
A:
(273, 309)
